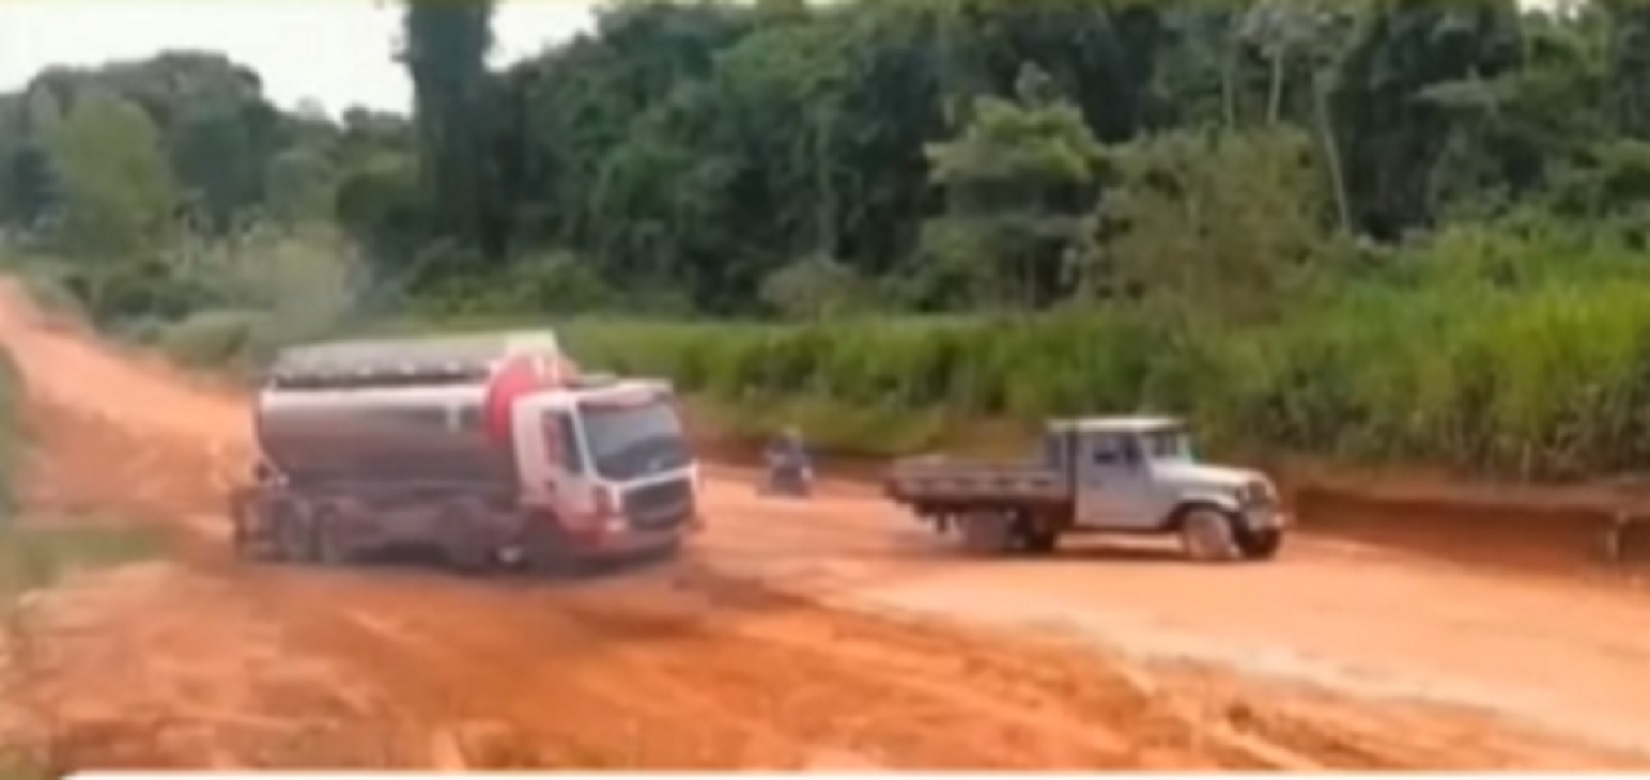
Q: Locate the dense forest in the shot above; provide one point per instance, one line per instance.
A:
(1381, 229)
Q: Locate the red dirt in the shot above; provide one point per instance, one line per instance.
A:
(771, 645)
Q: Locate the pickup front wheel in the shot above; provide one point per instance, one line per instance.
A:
(1208, 534)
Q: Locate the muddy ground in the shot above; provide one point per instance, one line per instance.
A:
(825, 634)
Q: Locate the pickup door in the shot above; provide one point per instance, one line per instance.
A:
(1114, 488)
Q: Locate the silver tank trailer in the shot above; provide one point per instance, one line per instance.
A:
(387, 412)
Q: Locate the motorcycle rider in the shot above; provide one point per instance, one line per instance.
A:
(790, 469)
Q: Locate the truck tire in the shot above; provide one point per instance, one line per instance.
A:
(1258, 544)
(470, 557)
(1208, 534)
(243, 539)
(294, 541)
(327, 539)
(546, 552)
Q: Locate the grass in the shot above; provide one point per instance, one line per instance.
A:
(33, 558)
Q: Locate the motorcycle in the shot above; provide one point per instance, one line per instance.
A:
(786, 477)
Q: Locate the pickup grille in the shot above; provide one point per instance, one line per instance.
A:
(659, 506)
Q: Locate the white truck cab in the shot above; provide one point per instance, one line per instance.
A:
(609, 458)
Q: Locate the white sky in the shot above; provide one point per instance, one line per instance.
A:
(334, 51)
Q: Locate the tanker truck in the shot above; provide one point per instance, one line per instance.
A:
(490, 450)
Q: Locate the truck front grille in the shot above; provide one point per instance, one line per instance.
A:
(660, 506)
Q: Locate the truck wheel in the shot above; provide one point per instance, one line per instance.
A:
(471, 558)
(1207, 535)
(293, 541)
(327, 539)
(546, 552)
(242, 538)
(1259, 545)
(256, 536)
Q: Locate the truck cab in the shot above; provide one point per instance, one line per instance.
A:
(610, 460)
(1142, 474)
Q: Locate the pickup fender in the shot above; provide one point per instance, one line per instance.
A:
(1224, 501)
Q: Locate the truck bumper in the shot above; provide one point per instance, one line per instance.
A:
(630, 543)
(618, 540)
(1266, 518)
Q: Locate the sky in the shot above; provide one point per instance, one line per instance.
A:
(335, 52)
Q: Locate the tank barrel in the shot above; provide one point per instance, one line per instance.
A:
(399, 409)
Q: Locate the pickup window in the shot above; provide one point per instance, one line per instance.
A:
(1171, 444)
(1108, 450)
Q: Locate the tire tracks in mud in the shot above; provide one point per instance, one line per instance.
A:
(657, 664)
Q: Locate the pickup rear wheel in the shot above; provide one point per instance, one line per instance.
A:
(986, 532)
(1041, 541)
(1033, 537)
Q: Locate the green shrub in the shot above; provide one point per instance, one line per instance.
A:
(33, 558)
(232, 339)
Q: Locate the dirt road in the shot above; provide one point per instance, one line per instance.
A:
(771, 645)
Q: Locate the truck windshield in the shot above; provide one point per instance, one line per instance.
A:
(627, 441)
(1167, 444)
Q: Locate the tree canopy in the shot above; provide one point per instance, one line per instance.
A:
(926, 155)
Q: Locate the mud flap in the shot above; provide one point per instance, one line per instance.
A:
(986, 533)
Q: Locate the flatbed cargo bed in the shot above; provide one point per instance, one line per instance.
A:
(945, 480)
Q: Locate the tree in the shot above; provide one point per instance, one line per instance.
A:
(1018, 181)
(445, 53)
(120, 197)
(1209, 227)
(1393, 137)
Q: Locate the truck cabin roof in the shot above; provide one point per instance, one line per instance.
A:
(1122, 424)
